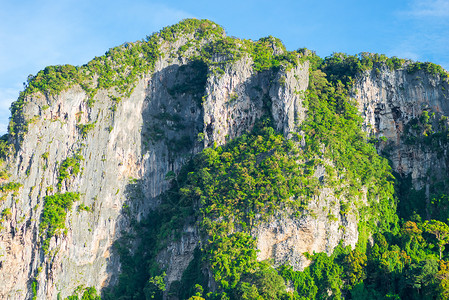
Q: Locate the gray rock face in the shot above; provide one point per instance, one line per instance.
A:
(284, 239)
(132, 144)
(232, 104)
(173, 113)
(236, 99)
(124, 150)
(389, 101)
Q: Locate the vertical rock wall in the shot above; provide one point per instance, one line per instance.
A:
(389, 100)
(127, 147)
(123, 167)
(130, 144)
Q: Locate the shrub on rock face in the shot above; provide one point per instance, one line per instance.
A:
(54, 215)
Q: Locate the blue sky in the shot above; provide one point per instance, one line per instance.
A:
(34, 34)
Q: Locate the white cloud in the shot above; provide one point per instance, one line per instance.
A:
(426, 34)
(429, 8)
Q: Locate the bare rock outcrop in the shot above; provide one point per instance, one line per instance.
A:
(391, 102)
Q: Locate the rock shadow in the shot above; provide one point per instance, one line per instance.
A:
(170, 135)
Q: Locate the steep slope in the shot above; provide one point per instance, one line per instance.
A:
(408, 108)
(109, 137)
(100, 130)
(195, 158)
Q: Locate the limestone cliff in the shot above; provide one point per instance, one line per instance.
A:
(408, 111)
(174, 111)
(115, 141)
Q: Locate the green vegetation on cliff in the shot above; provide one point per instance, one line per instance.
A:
(333, 129)
(54, 215)
(86, 293)
(119, 68)
(226, 192)
(69, 167)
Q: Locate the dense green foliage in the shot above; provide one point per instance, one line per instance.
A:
(54, 79)
(262, 53)
(10, 187)
(69, 167)
(333, 122)
(401, 266)
(34, 290)
(5, 148)
(428, 67)
(54, 215)
(88, 293)
(228, 190)
(85, 128)
(232, 188)
(7, 188)
(225, 192)
(344, 68)
(256, 173)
